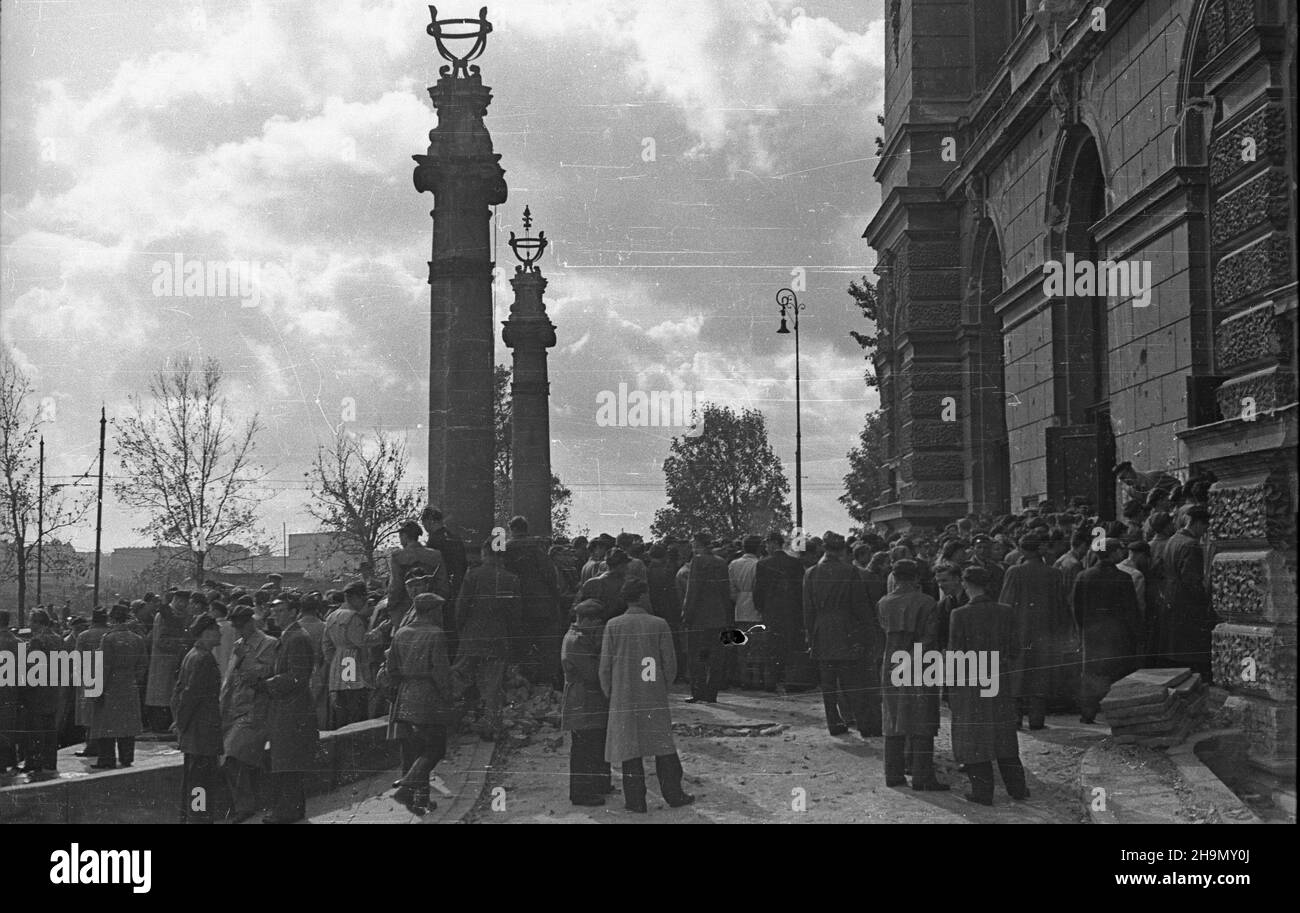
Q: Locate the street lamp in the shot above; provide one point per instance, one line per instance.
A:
(790, 307)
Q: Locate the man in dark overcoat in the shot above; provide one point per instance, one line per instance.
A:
(706, 610)
(1106, 611)
(984, 724)
(115, 714)
(837, 616)
(1036, 593)
(1183, 629)
(291, 720)
(196, 708)
(909, 618)
(584, 712)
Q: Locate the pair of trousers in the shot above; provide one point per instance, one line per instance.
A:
(847, 692)
(909, 751)
(124, 755)
(242, 779)
(589, 773)
(1013, 778)
(486, 674)
(707, 661)
(42, 745)
(427, 745)
(668, 769)
(290, 796)
(349, 706)
(198, 780)
(1036, 708)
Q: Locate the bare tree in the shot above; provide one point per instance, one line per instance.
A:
(186, 463)
(65, 505)
(357, 492)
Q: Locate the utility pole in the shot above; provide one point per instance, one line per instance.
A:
(99, 505)
(40, 520)
(790, 307)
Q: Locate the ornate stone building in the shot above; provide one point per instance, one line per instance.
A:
(1159, 133)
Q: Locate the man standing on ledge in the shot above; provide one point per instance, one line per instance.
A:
(637, 663)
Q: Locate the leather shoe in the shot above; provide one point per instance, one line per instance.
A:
(971, 797)
(838, 730)
(1020, 797)
(681, 801)
(103, 766)
(591, 801)
(901, 781)
(639, 809)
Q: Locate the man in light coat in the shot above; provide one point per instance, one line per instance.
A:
(244, 711)
(637, 663)
(343, 648)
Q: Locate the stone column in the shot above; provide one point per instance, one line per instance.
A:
(462, 172)
(529, 333)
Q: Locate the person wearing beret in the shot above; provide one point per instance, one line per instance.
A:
(115, 715)
(291, 721)
(984, 724)
(1036, 593)
(196, 707)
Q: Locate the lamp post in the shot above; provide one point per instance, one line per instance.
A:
(791, 307)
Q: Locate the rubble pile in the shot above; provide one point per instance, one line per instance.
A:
(1157, 708)
(527, 708)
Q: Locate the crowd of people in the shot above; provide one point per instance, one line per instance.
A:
(247, 678)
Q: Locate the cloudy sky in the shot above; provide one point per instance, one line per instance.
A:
(281, 133)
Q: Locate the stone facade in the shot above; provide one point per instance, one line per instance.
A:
(1158, 132)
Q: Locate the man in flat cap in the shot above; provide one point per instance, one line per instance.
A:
(984, 724)
(1036, 594)
(422, 709)
(115, 717)
(244, 711)
(291, 719)
(196, 706)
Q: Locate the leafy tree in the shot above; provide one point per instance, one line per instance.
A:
(65, 505)
(357, 492)
(186, 463)
(864, 296)
(561, 496)
(866, 480)
(727, 480)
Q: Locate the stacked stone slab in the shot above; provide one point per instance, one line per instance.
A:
(1154, 707)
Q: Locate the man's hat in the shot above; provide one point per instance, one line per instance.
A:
(1029, 543)
(357, 587)
(98, 615)
(274, 578)
(242, 614)
(179, 594)
(1120, 467)
(201, 624)
(245, 600)
(119, 612)
(980, 537)
(616, 557)
(589, 608)
(427, 602)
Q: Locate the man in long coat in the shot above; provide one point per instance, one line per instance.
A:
(88, 641)
(8, 702)
(706, 610)
(1185, 622)
(196, 708)
(310, 610)
(168, 647)
(984, 725)
(836, 615)
(637, 664)
(115, 713)
(488, 612)
(40, 704)
(666, 599)
(911, 709)
(422, 707)
(584, 711)
(1106, 611)
(607, 586)
(343, 649)
(778, 597)
(539, 612)
(1036, 593)
(244, 711)
(291, 717)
